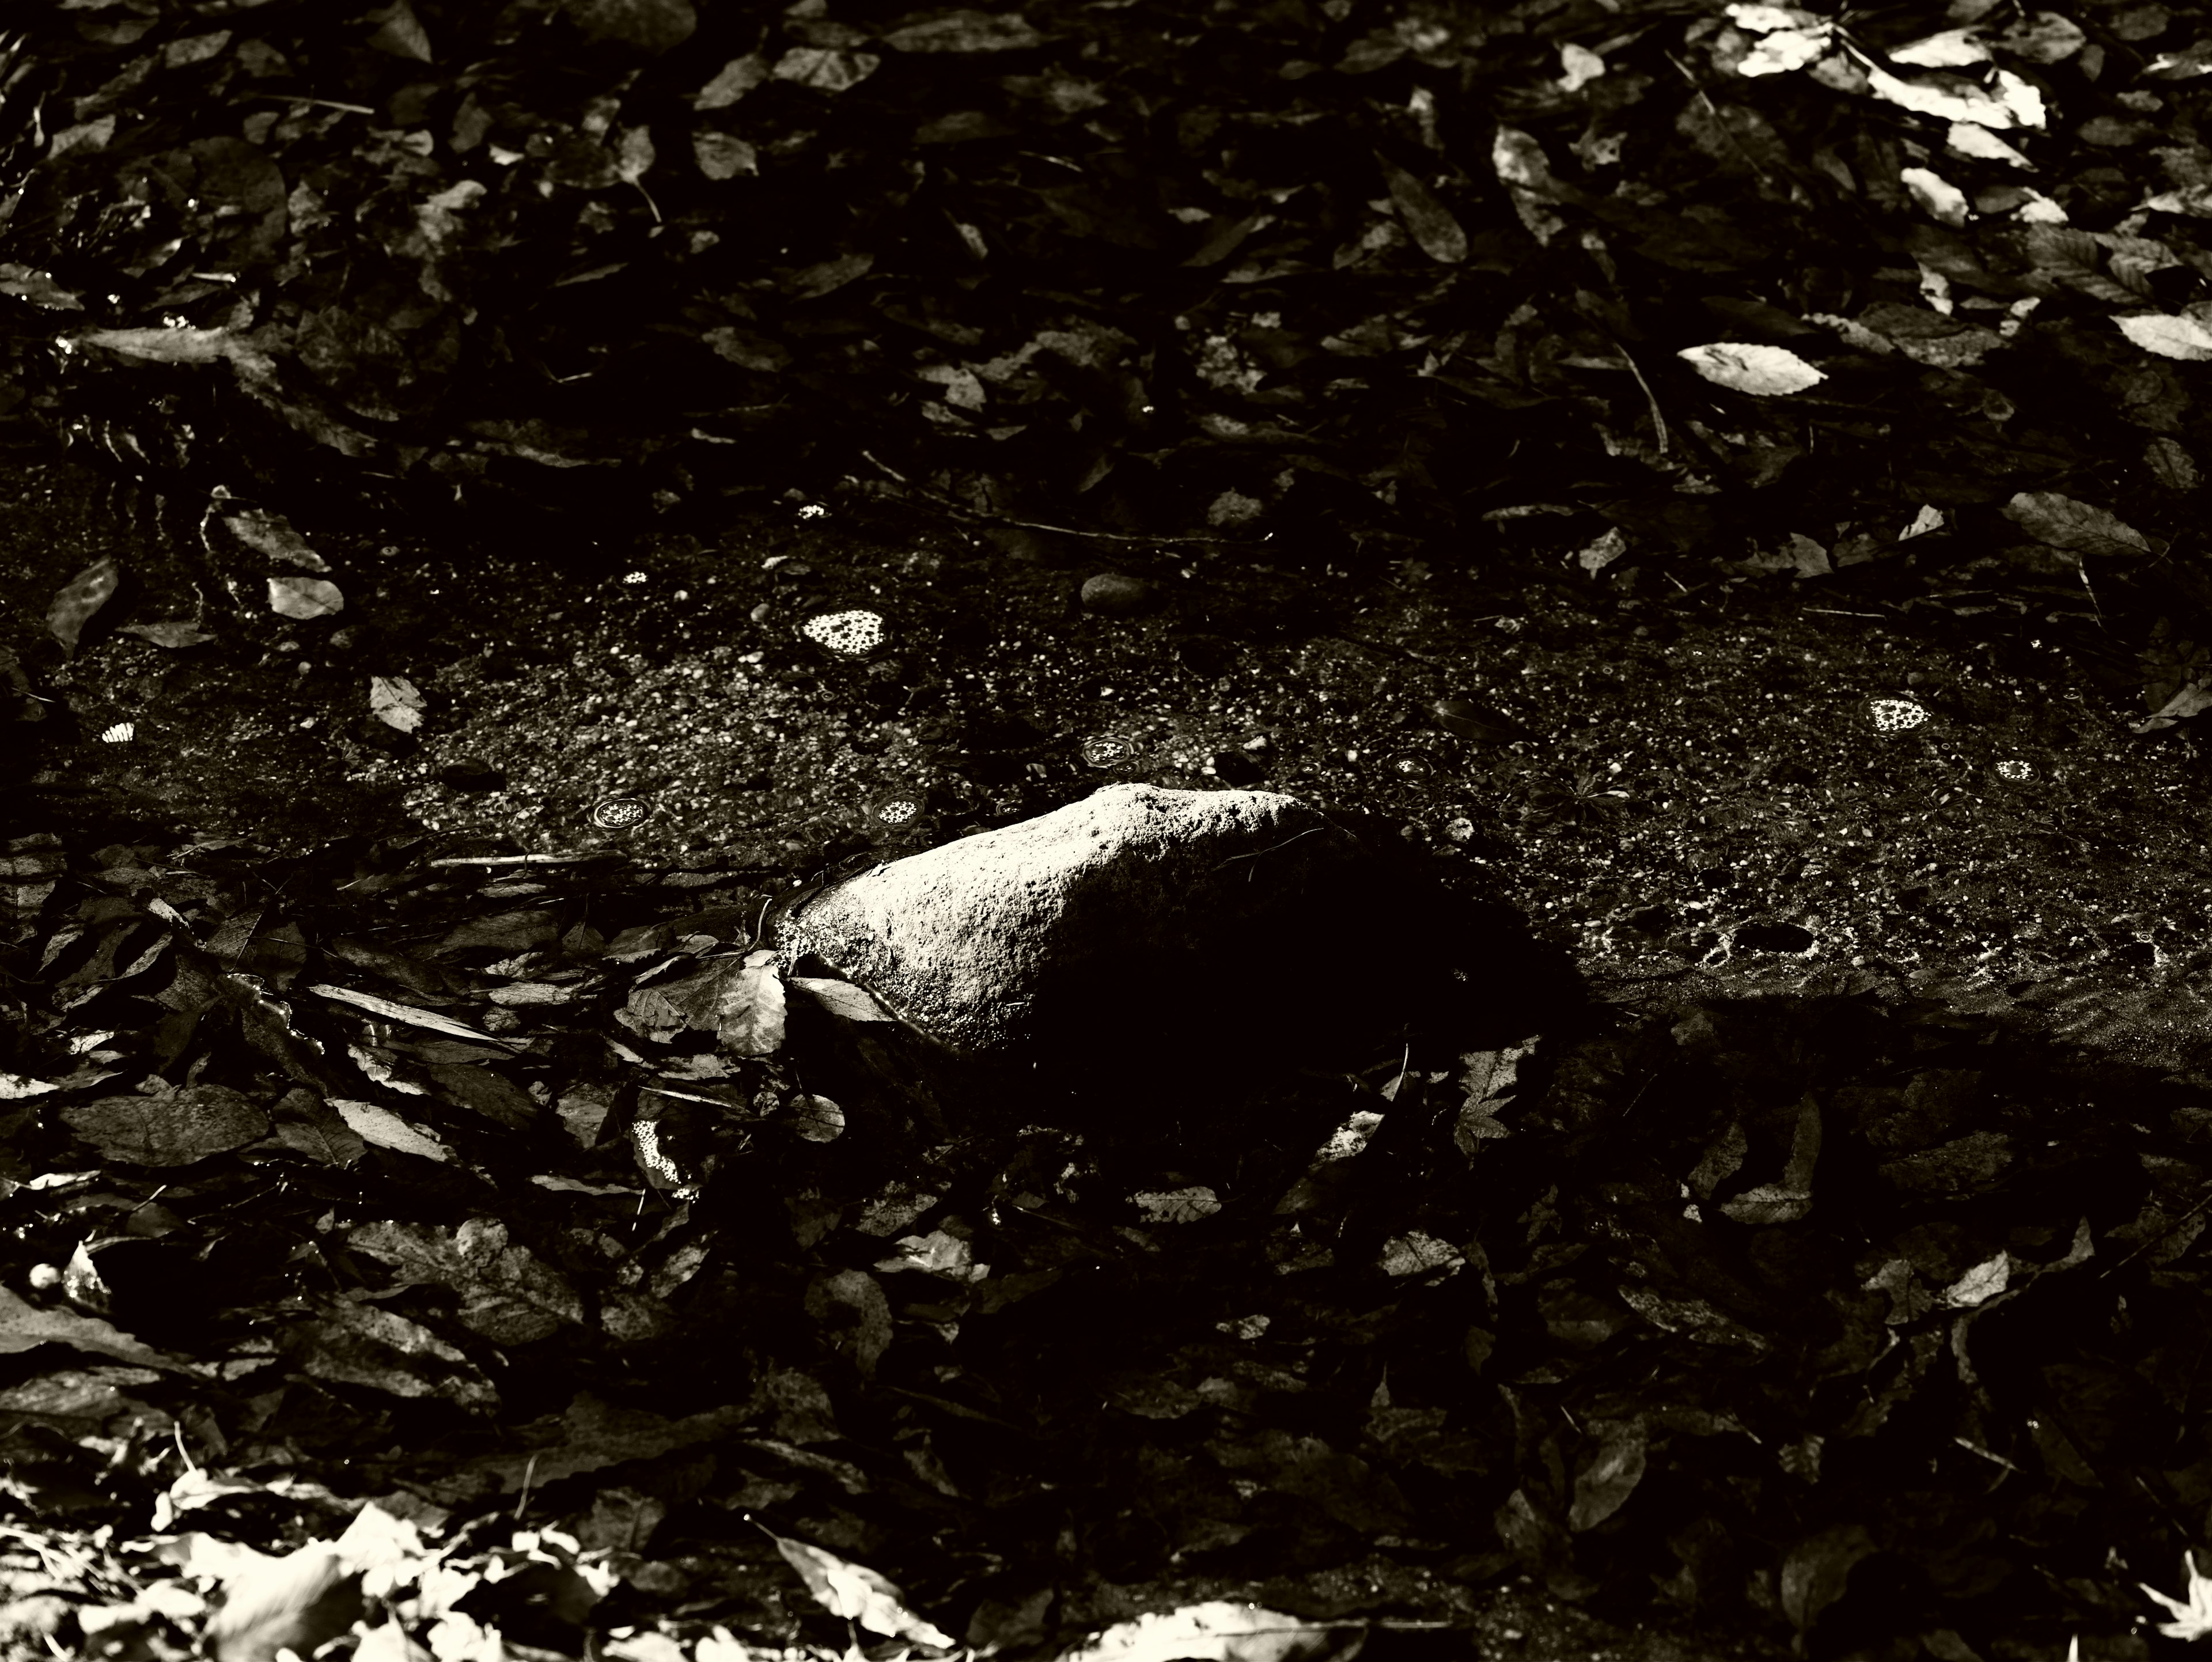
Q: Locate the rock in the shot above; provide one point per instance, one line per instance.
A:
(1145, 936)
(468, 773)
(1234, 767)
(1111, 595)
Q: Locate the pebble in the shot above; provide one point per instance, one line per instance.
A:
(1112, 595)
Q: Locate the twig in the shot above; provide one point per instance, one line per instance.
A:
(527, 859)
(1658, 419)
(320, 103)
(2082, 570)
(1378, 646)
(2159, 1237)
(966, 513)
(1256, 853)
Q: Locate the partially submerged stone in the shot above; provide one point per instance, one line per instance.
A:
(1150, 934)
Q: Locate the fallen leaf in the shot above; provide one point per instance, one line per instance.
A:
(177, 1129)
(304, 597)
(375, 1124)
(1434, 229)
(1221, 1631)
(24, 1326)
(267, 532)
(1815, 1573)
(78, 600)
(1176, 1205)
(856, 1592)
(2195, 1617)
(1604, 1487)
(817, 1119)
(842, 998)
(170, 632)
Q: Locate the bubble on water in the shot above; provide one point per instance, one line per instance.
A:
(1108, 750)
(1897, 715)
(618, 812)
(853, 633)
(1410, 765)
(897, 807)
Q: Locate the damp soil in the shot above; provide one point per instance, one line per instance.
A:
(1729, 784)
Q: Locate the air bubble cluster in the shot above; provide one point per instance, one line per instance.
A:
(1897, 715)
(898, 807)
(1107, 750)
(852, 634)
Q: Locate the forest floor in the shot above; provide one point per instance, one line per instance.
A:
(1667, 471)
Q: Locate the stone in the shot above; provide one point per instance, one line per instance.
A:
(1112, 595)
(1143, 935)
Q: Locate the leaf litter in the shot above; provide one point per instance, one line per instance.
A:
(1794, 1315)
(1854, 1326)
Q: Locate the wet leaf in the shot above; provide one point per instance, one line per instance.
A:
(406, 1012)
(400, 32)
(1175, 1206)
(394, 702)
(1980, 1284)
(842, 998)
(364, 1344)
(1790, 1200)
(1761, 371)
(77, 601)
(507, 1294)
(268, 532)
(179, 1129)
(1815, 1573)
(2079, 527)
(651, 25)
(1428, 222)
(1222, 1632)
(377, 1125)
(817, 1119)
(24, 1326)
(1418, 1254)
(937, 1253)
(740, 1000)
(172, 633)
(294, 1603)
(856, 1592)
(850, 1307)
(304, 597)
(181, 346)
(1613, 1472)
(1479, 722)
(966, 31)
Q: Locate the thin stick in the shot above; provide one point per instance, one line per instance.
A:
(967, 513)
(528, 859)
